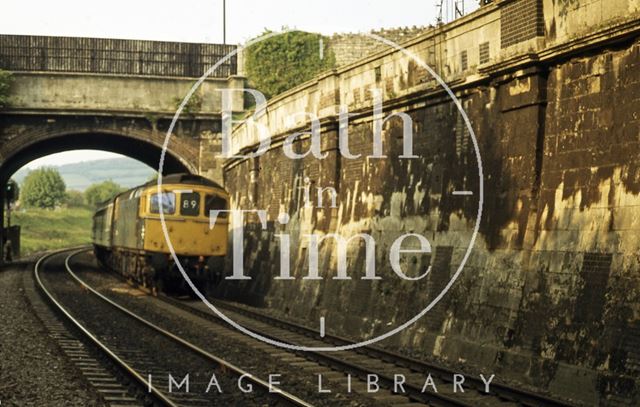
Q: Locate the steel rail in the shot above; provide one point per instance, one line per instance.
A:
(158, 395)
(274, 391)
(525, 397)
(413, 392)
(501, 390)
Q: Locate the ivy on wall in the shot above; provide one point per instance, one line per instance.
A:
(286, 60)
(5, 85)
(193, 105)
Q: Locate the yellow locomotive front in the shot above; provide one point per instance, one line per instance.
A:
(129, 236)
(186, 211)
(199, 247)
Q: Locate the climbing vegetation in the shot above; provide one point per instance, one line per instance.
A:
(286, 60)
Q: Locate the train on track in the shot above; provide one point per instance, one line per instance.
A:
(128, 236)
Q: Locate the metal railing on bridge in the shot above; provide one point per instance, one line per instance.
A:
(113, 56)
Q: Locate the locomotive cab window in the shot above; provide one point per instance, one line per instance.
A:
(190, 203)
(167, 200)
(214, 202)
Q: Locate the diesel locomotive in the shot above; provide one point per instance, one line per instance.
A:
(128, 235)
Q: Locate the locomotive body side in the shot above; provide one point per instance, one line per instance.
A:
(101, 235)
(102, 225)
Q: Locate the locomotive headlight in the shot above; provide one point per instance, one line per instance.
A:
(142, 232)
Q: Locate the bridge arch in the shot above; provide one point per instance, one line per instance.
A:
(23, 149)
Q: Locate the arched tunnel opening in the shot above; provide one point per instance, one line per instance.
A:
(141, 150)
(145, 152)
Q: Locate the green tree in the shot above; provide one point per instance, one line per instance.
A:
(5, 85)
(98, 193)
(74, 199)
(43, 188)
(286, 60)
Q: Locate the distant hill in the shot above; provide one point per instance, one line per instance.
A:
(124, 171)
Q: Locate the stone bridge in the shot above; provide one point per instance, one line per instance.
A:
(550, 295)
(114, 95)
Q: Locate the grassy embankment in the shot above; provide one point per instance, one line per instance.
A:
(45, 229)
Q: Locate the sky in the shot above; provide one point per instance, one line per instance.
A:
(69, 157)
(201, 21)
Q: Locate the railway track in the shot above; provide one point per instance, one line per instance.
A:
(361, 362)
(149, 354)
(373, 360)
(312, 338)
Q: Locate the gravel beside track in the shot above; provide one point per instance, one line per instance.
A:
(33, 369)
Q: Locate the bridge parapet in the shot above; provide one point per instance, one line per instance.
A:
(113, 56)
(125, 94)
(115, 76)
